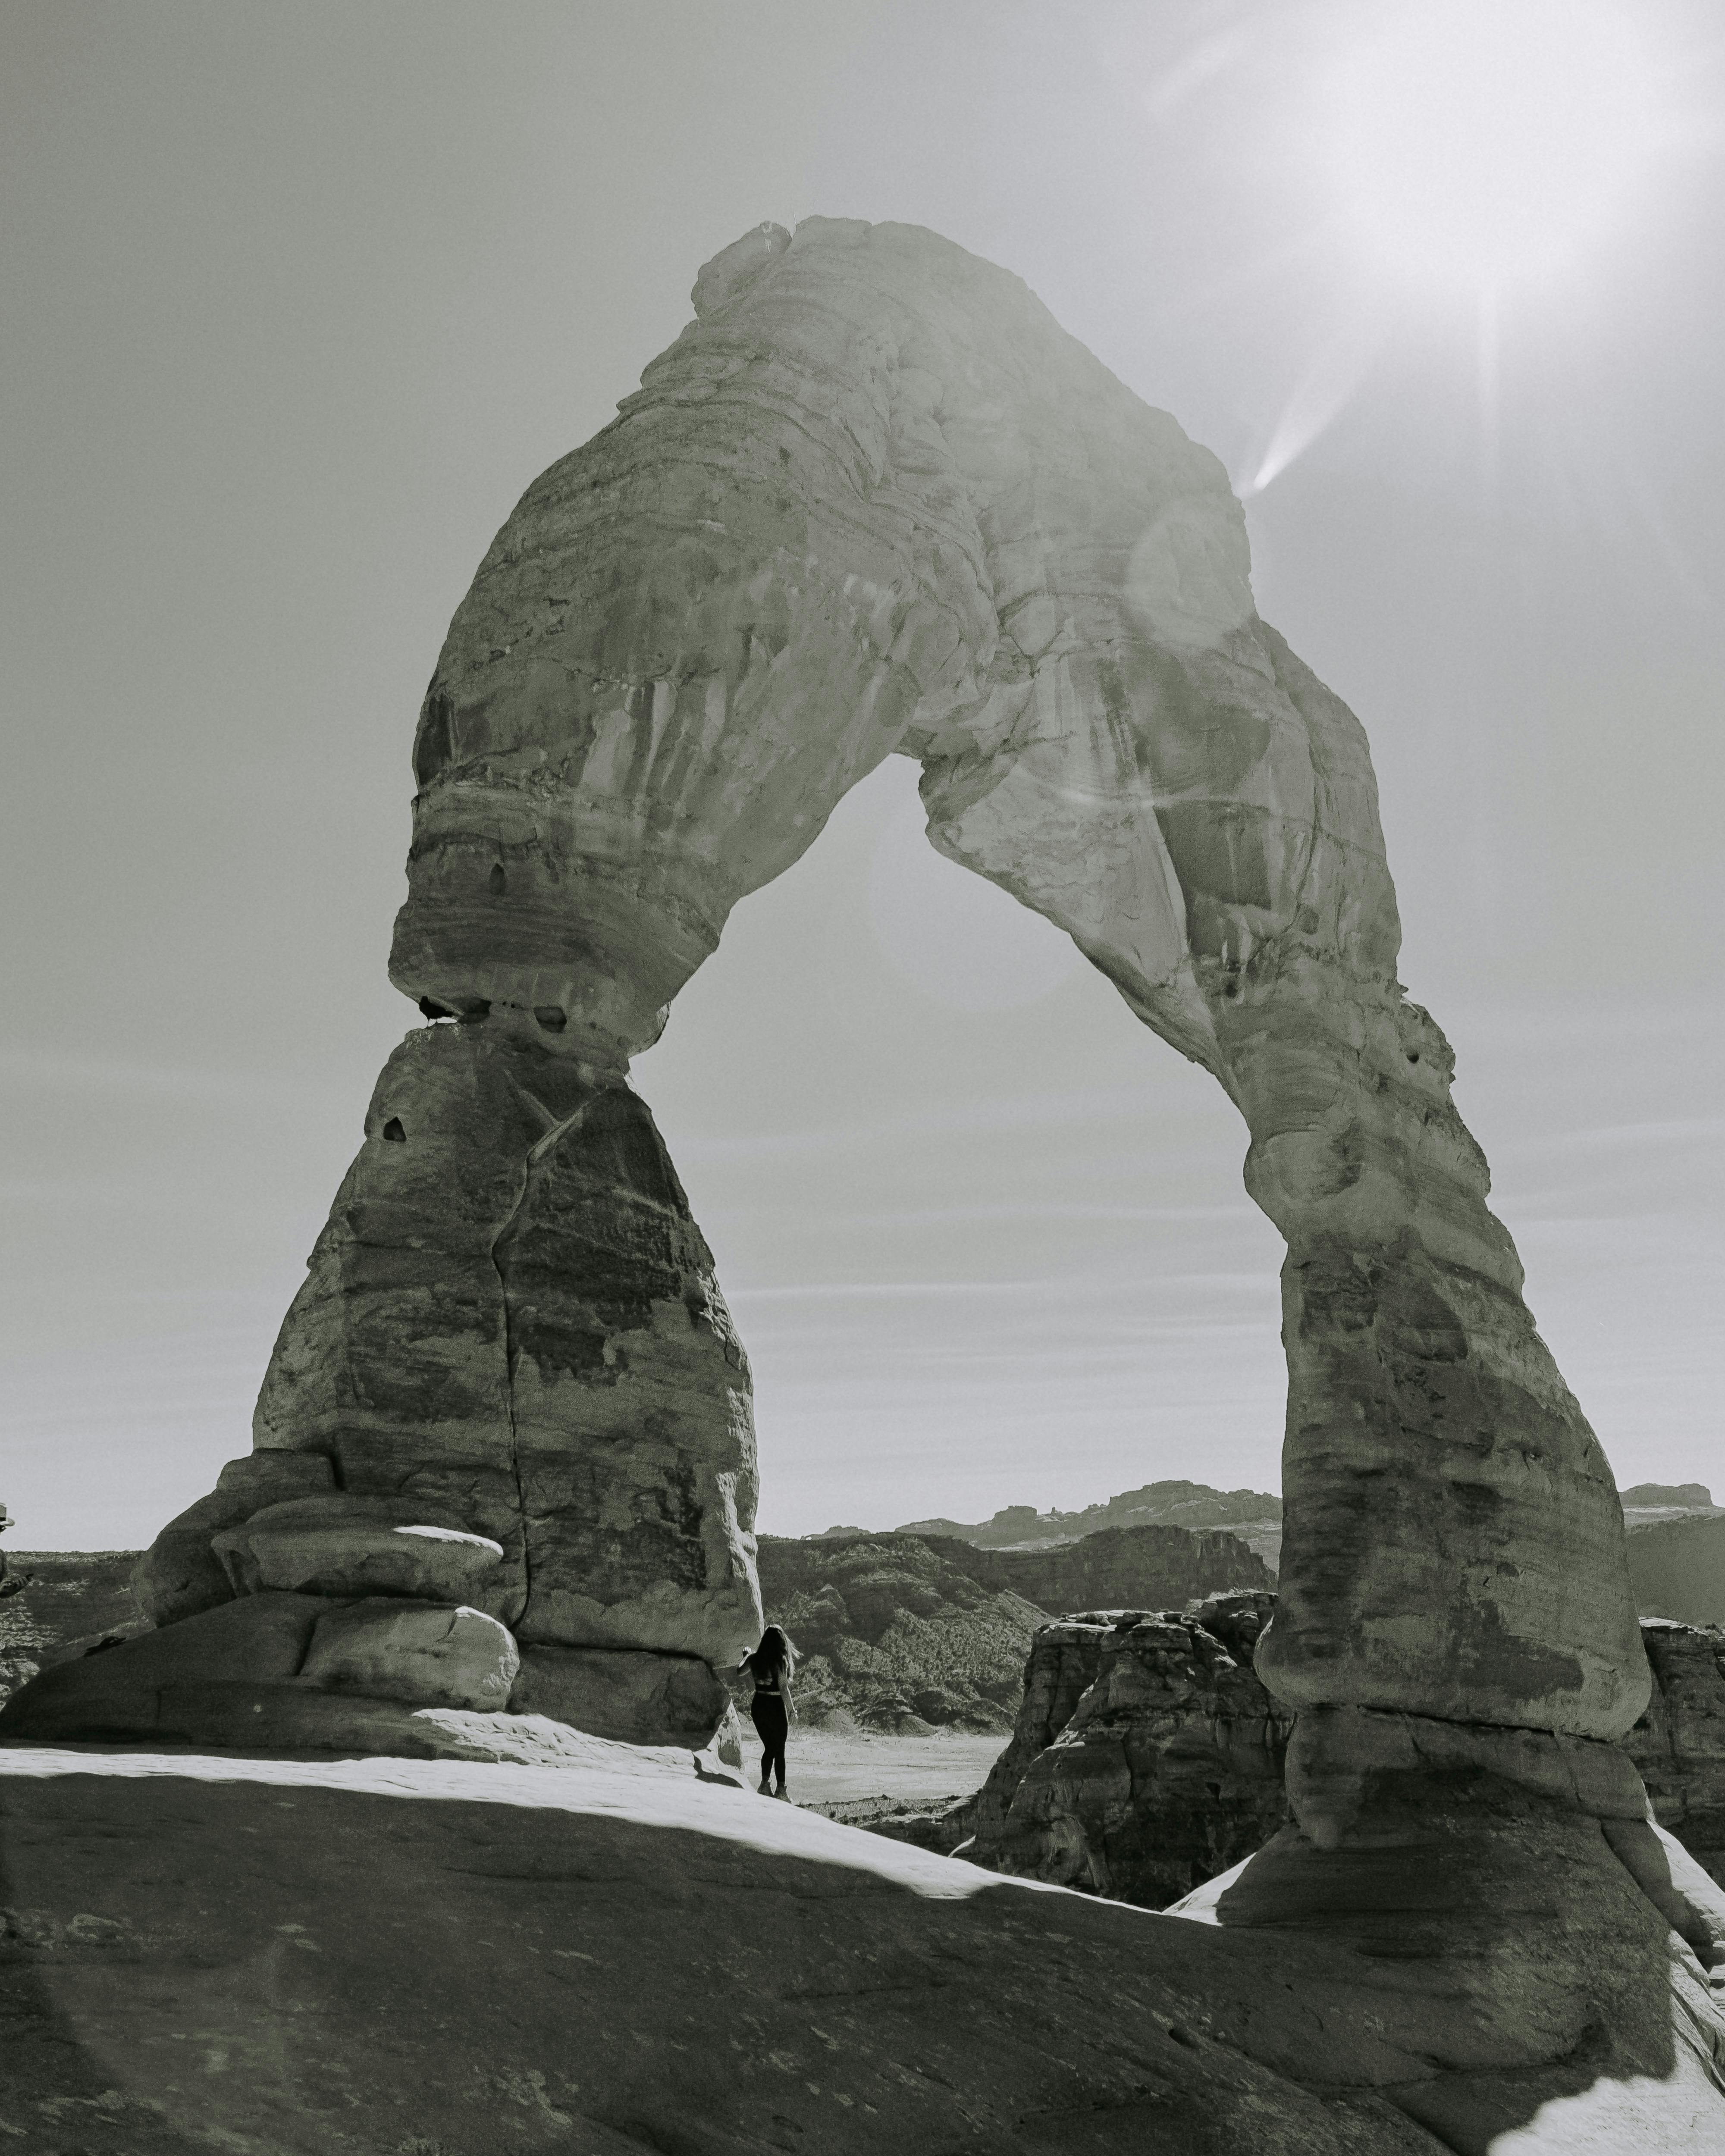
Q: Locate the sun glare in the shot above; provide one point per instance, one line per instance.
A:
(1483, 145)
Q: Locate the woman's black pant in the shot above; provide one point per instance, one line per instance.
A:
(772, 1728)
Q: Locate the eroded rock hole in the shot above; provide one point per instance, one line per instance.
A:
(428, 1008)
(497, 883)
(552, 1016)
(393, 1132)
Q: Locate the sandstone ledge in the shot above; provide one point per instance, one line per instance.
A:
(381, 1956)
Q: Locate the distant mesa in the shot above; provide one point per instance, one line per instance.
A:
(1255, 1515)
(1681, 1496)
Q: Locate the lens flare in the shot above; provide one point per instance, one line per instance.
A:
(1481, 144)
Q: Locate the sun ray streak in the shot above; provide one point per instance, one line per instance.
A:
(1319, 398)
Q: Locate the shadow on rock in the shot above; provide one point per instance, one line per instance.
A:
(1502, 1944)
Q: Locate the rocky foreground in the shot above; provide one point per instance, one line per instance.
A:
(391, 1957)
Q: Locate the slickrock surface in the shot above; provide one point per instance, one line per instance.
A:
(378, 1957)
(1677, 1569)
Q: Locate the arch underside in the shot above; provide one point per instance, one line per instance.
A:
(874, 501)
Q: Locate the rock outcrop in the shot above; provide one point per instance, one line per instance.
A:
(1147, 1756)
(1677, 1568)
(1147, 1759)
(1679, 1743)
(1143, 1567)
(61, 1604)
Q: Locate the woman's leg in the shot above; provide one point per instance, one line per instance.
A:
(781, 1730)
(768, 1718)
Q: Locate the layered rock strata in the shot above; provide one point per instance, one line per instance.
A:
(1147, 1759)
(1147, 1756)
(1677, 1568)
(874, 500)
(1679, 1743)
(1129, 1568)
(898, 1634)
(58, 1605)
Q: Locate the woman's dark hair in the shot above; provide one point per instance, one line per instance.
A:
(774, 1653)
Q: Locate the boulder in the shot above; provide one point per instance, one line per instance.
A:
(347, 1545)
(180, 1574)
(633, 1696)
(260, 1638)
(425, 1654)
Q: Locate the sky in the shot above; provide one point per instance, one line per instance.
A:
(299, 297)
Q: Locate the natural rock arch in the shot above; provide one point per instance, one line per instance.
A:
(874, 500)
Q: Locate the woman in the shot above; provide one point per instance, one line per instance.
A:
(773, 1665)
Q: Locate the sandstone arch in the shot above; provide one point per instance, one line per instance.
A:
(874, 500)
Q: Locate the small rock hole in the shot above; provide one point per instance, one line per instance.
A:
(497, 883)
(431, 1010)
(1412, 1056)
(393, 1132)
(473, 1012)
(1232, 990)
(552, 1016)
(1184, 2036)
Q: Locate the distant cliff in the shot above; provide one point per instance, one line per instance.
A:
(1255, 1514)
(906, 1632)
(894, 1635)
(1155, 1567)
(1677, 1568)
(66, 1601)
